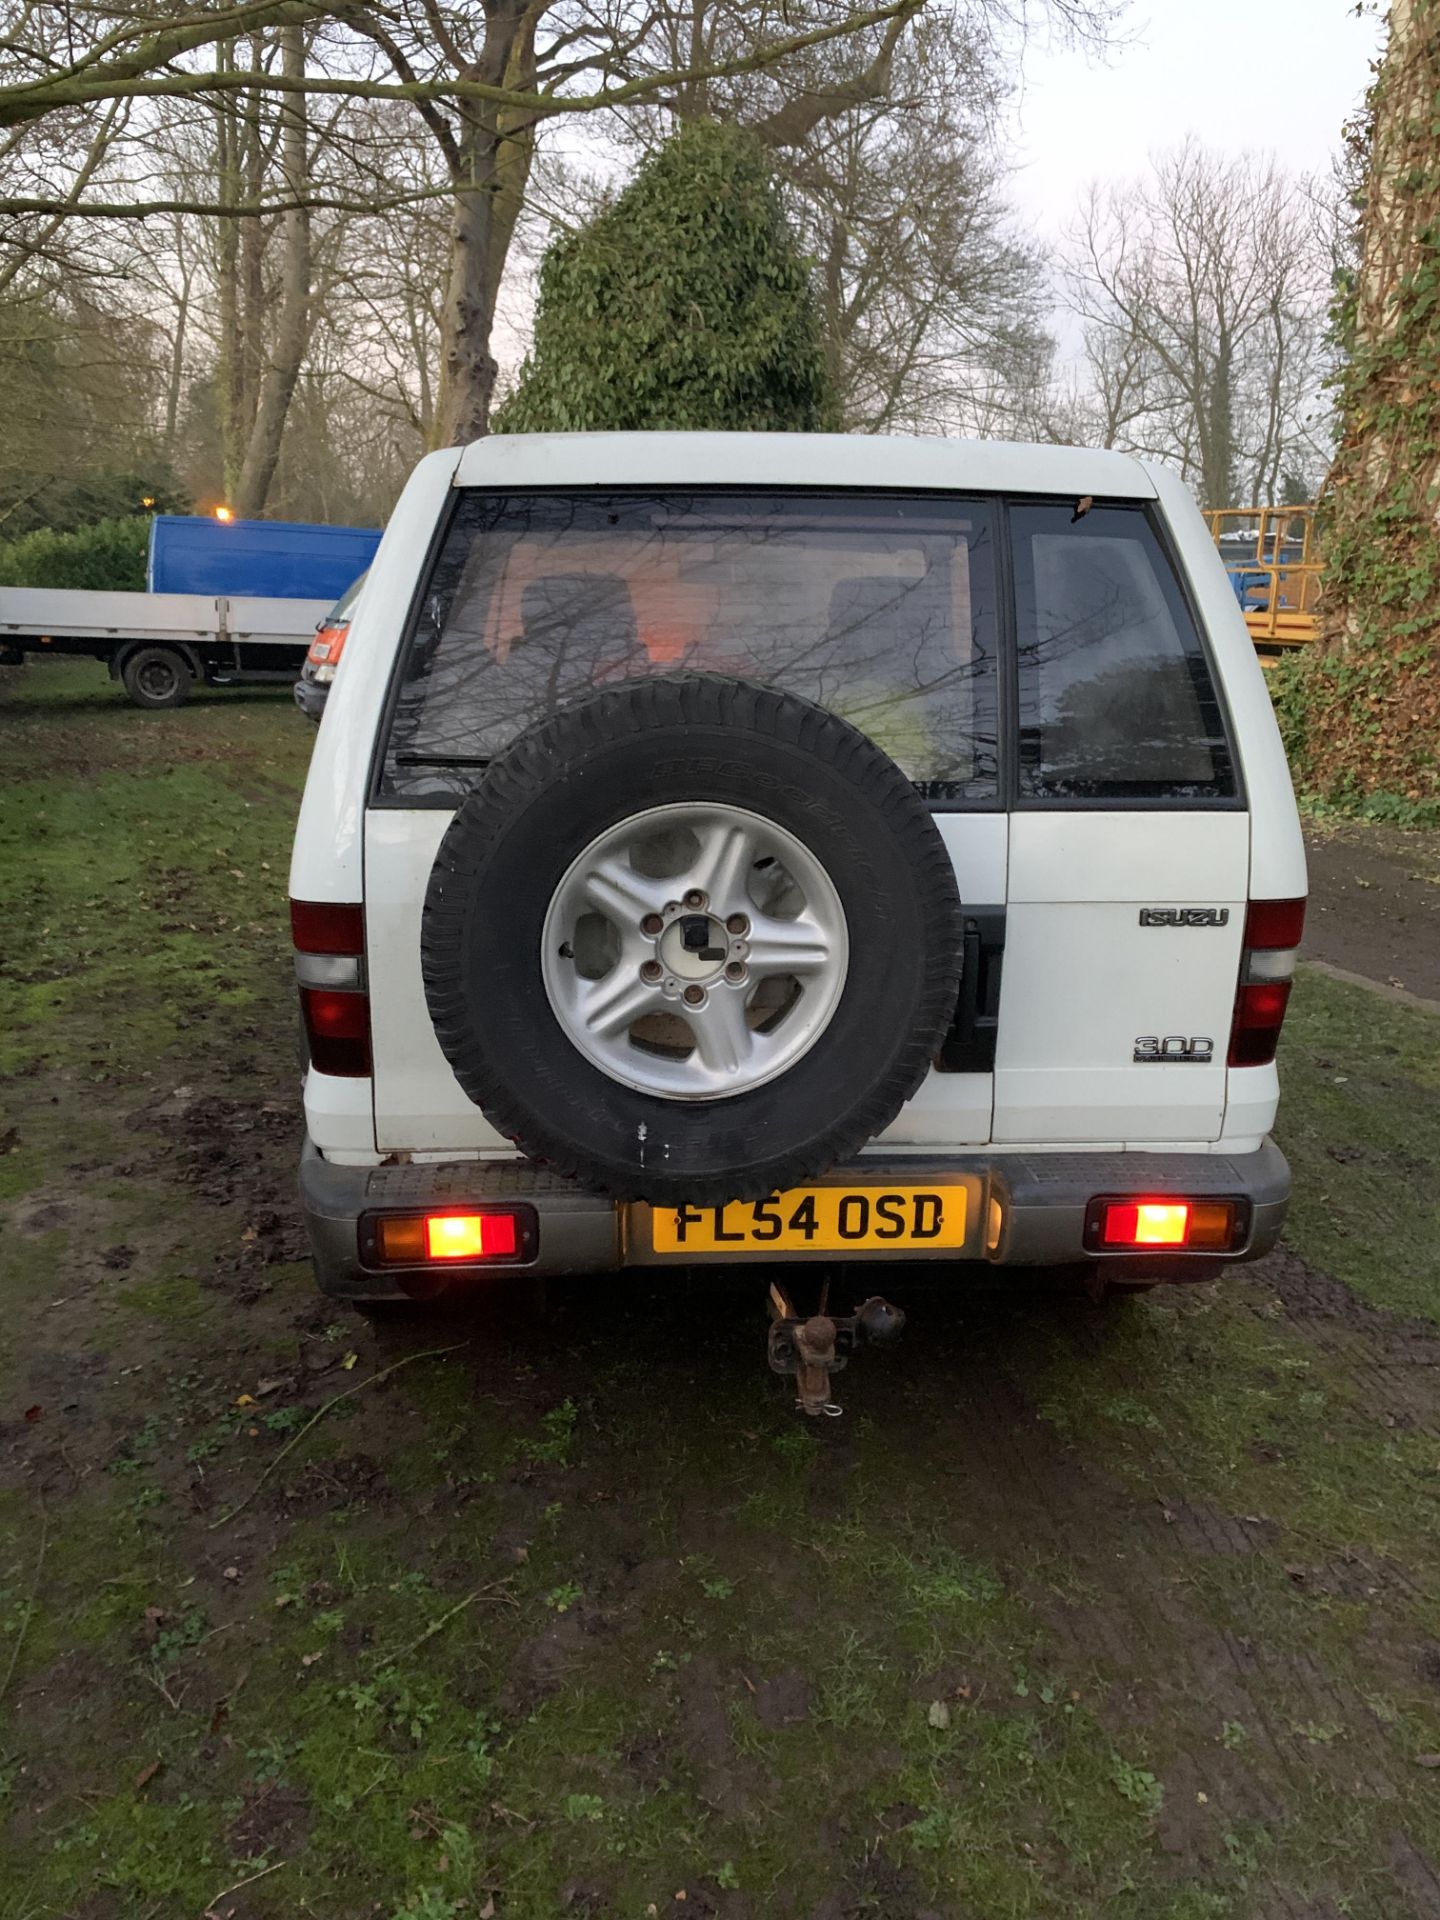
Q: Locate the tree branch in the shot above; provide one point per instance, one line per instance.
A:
(134, 76)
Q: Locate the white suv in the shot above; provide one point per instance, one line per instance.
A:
(761, 847)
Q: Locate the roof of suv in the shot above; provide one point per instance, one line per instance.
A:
(871, 462)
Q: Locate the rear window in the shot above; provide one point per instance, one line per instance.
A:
(880, 608)
(1116, 696)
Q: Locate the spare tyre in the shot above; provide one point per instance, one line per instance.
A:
(691, 940)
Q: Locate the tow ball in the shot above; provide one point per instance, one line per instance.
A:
(814, 1349)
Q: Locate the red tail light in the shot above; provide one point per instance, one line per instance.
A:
(504, 1235)
(327, 926)
(1174, 1226)
(329, 964)
(1148, 1223)
(1259, 1016)
(1274, 923)
(1272, 933)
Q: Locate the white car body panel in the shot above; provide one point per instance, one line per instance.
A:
(1084, 980)
(1081, 981)
(870, 463)
(327, 860)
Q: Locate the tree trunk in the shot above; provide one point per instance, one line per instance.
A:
(227, 279)
(1216, 419)
(252, 248)
(175, 382)
(292, 330)
(496, 152)
(1363, 717)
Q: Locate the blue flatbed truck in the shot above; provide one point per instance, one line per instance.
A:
(229, 603)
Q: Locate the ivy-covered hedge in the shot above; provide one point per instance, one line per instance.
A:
(109, 554)
(1360, 710)
(685, 303)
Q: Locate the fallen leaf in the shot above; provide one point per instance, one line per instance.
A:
(939, 1715)
(146, 1775)
(487, 1912)
(348, 1363)
(32, 1414)
(245, 1400)
(268, 1386)
(309, 1659)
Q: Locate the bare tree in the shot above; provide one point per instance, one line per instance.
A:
(1201, 297)
(932, 300)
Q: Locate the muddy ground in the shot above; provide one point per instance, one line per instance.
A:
(1129, 1611)
(1375, 904)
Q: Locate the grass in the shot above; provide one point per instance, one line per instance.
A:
(1361, 1126)
(1076, 1612)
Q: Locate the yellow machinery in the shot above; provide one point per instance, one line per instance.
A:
(1269, 553)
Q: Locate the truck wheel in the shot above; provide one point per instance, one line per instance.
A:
(157, 677)
(691, 940)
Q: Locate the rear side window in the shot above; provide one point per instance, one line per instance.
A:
(1117, 701)
(881, 608)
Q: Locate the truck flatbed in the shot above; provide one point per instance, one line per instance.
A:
(159, 644)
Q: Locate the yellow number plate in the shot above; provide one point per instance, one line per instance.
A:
(819, 1220)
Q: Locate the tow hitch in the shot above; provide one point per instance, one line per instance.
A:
(814, 1349)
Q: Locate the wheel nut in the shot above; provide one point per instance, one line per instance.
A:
(735, 971)
(652, 924)
(694, 996)
(650, 970)
(737, 923)
(697, 898)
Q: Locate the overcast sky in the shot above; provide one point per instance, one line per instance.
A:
(1278, 74)
(1264, 74)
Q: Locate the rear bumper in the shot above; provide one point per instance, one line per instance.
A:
(1032, 1206)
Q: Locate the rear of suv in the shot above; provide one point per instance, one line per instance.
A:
(769, 847)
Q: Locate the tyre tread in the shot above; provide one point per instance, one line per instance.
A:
(528, 768)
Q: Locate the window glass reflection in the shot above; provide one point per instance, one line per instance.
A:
(881, 610)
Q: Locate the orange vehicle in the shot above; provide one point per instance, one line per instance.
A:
(1270, 555)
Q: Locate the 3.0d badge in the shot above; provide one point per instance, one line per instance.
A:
(1153, 1048)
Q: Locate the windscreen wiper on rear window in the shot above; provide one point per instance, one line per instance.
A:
(442, 760)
